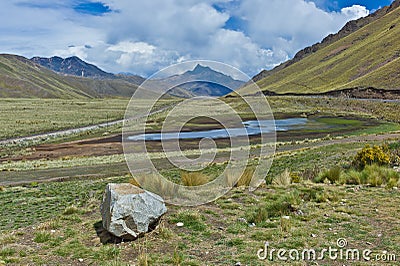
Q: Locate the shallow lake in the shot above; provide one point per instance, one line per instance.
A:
(250, 128)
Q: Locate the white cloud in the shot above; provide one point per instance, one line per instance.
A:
(355, 11)
(287, 26)
(129, 47)
(143, 36)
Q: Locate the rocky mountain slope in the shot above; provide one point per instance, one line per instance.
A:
(72, 66)
(20, 77)
(364, 53)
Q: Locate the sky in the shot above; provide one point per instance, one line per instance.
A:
(142, 37)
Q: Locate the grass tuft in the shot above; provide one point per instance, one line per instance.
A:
(193, 178)
(283, 179)
(42, 237)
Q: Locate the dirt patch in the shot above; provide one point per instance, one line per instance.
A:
(85, 148)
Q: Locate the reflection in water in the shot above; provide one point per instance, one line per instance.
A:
(251, 128)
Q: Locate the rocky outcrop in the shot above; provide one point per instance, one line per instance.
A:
(129, 212)
(72, 66)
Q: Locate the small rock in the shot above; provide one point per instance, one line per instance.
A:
(313, 235)
(252, 225)
(300, 213)
(242, 220)
(180, 224)
(53, 231)
(395, 188)
(286, 217)
(369, 243)
(330, 229)
(238, 263)
(80, 260)
(379, 235)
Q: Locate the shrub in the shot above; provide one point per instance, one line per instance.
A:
(376, 175)
(257, 214)
(193, 178)
(295, 177)
(352, 177)
(332, 175)
(277, 208)
(371, 155)
(394, 149)
(310, 173)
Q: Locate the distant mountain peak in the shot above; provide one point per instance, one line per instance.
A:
(200, 68)
(72, 66)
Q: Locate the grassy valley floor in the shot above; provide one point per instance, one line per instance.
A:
(50, 205)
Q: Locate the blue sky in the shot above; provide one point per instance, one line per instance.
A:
(142, 37)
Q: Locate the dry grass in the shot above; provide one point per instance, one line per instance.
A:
(231, 177)
(283, 179)
(192, 179)
(134, 182)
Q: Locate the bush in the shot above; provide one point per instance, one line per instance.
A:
(310, 173)
(374, 175)
(295, 177)
(332, 175)
(394, 149)
(279, 207)
(352, 177)
(371, 155)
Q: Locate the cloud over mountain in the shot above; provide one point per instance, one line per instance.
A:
(143, 36)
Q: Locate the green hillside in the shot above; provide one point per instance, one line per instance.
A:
(21, 78)
(368, 57)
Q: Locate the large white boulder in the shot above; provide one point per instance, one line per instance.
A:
(128, 211)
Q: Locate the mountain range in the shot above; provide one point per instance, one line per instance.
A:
(21, 77)
(72, 77)
(196, 83)
(365, 53)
